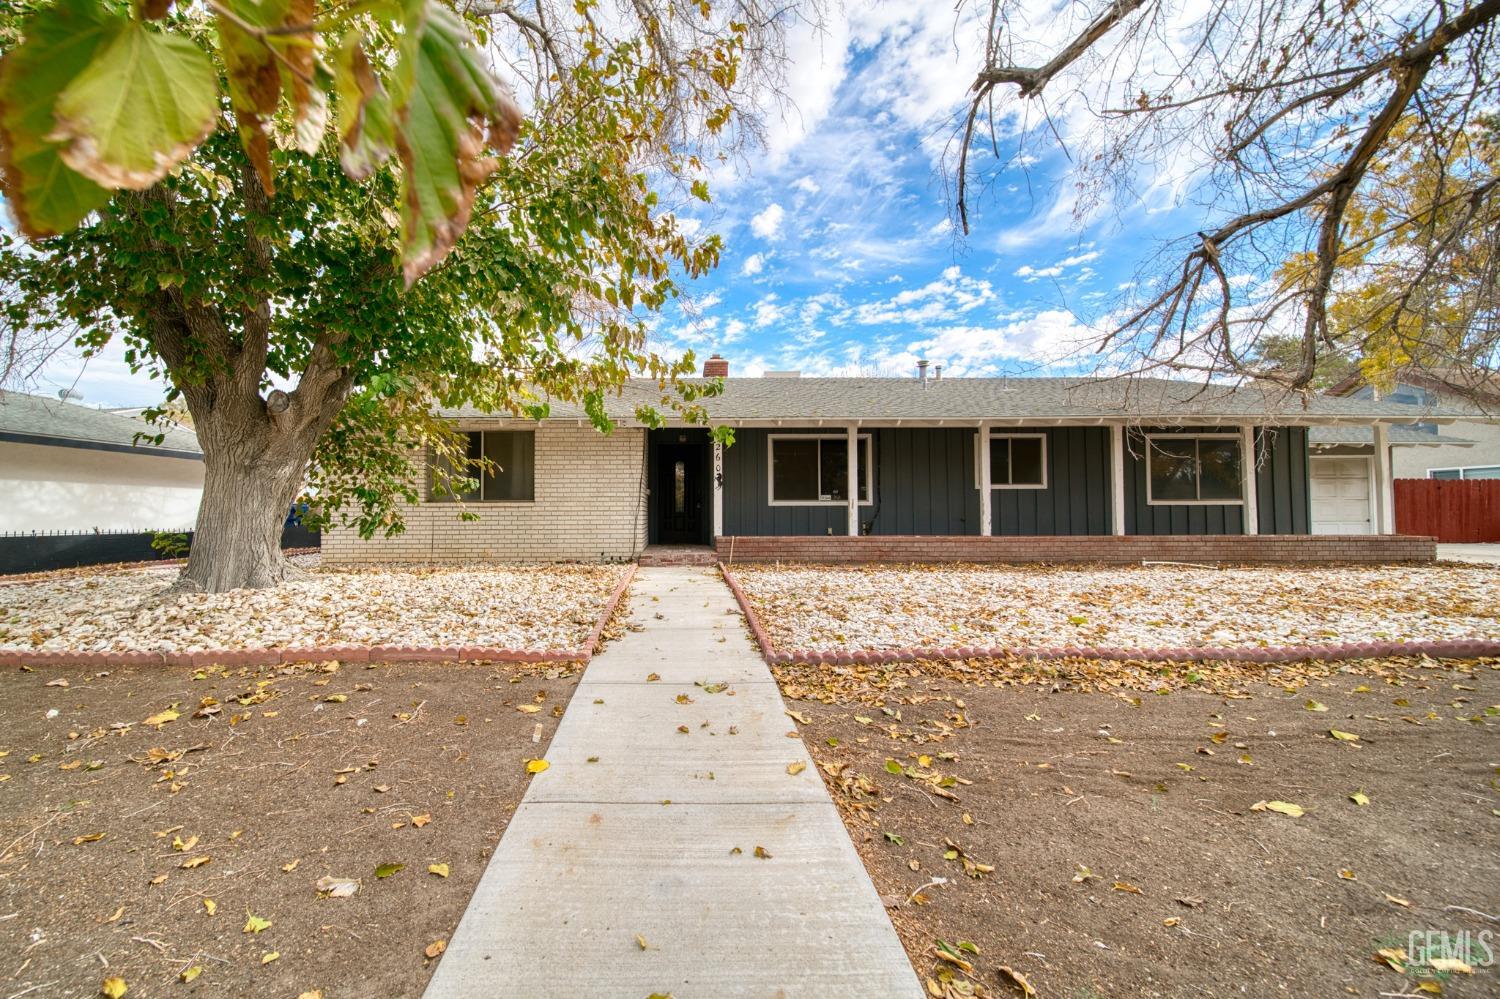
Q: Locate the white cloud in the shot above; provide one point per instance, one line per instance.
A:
(767, 225)
(944, 299)
(768, 311)
(733, 330)
(754, 264)
(806, 185)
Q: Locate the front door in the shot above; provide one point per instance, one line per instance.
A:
(679, 494)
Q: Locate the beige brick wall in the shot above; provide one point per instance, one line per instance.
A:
(589, 503)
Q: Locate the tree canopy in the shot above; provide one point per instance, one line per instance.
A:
(1341, 157)
(271, 282)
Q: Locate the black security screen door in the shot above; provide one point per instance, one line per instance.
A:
(679, 494)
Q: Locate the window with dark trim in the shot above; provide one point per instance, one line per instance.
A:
(1018, 461)
(1183, 469)
(808, 469)
(510, 477)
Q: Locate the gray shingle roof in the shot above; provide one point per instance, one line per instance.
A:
(1398, 434)
(38, 419)
(766, 400)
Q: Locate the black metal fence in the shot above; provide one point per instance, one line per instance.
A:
(41, 551)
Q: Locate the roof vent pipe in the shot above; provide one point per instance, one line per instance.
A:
(922, 372)
(937, 372)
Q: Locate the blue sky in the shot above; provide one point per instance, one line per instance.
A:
(840, 255)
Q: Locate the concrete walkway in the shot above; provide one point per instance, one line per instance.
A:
(1479, 554)
(642, 842)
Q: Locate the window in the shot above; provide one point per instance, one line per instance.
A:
(1205, 469)
(511, 477)
(1018, 461)
(809, 469)
(1465, 472)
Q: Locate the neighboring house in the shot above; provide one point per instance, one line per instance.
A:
(1062, 458)
(1479, 459)
(69, 467)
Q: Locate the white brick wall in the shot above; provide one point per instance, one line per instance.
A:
(589, 503)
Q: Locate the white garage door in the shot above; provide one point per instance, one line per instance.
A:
(1340, 495)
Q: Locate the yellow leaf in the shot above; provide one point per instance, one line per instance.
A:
(336, 698)
(652, 677)
(1126, 886)
(1393, 958)
(188, 974)
(114, 988)
(1018, 979)
(162, 717)
(1450, 965)
(267, 958)
(420, 820)
(1347, 875)
(1359, 798)
(289, 868)
(1343, 736)
(528, 709)
(90, 838)
(211, 906)
(1283, 807)
(536, 766)
(1315, 706)
(762, 853)
(311, 994)
(254, 924)
(1171, 921)
(1431, 986)
(441, 870)
(640, 941)
(435, 948)
(797, 716)
(796, 768)
(193, 862)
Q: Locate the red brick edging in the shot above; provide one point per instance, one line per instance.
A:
(1450, 648)
(344, 653)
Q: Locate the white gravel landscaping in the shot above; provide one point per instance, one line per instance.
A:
(531, 607)
(830, 609)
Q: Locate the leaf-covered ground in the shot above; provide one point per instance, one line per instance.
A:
(1133, 829)
(825, 608)
(172, 827)
(520, 607)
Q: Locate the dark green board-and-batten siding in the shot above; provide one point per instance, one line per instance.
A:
(924, 481)
(1281, 492)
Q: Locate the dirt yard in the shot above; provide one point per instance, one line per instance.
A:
(1122, 831)
(173, 827)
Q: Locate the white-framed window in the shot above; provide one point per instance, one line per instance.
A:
(1465, 472)
(1194, 469)
(813, 469)
(511, 477)
(1017, 460)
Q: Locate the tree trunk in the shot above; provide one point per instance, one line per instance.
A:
(237, 541)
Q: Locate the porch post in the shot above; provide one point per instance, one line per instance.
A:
(1385, 500)
(986, 494)
(1247, 471)
(718, 492)
(853, 484)
(1117, 479)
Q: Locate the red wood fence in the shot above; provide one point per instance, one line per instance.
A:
(1450, 510)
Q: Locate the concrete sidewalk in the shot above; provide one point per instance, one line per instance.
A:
(642, 841)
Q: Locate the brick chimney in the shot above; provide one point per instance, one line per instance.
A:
(716, 367)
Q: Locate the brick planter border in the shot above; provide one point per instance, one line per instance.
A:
(1442, 648)
(343, 653)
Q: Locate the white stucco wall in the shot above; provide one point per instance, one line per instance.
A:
(46, 488)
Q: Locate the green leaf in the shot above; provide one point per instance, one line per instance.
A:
(892, 767)
(386, 870)
(253, 75)
(254, 923)
(447, 104)
(45, 195)
(367, 134)
(141, 106)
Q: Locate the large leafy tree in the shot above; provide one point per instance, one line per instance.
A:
(311, 294)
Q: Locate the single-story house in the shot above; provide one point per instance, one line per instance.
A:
(1471, 449)
(66, 467)
(1017, 469)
